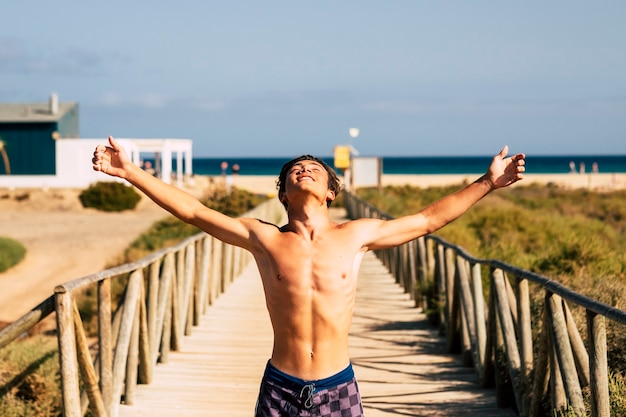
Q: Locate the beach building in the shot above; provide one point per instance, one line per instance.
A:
(40, 147)
(29, 132)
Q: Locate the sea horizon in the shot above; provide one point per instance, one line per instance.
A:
(426, 165)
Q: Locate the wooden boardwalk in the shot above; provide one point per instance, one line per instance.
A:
(399, 360)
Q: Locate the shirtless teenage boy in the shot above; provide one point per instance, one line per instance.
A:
(309, 269)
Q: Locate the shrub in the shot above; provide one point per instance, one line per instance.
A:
(11, 253)
(171, 230)
(235, 203)
(110, 196)
(164, 233)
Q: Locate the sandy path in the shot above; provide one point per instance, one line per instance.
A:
(63, 240)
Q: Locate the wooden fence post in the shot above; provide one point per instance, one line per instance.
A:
(581, 357)
(154, 289)
(145, 354)
(124, 338)
(488, 372)
(162, 321)
(470, 350)
(440, 282)
(542, 370)
(216, 270)
(404, 268)
(423, 268)
(413, 262)
(86, 367)
(479, 314)
(207, 250)
(564, 355)
(67, 353)
(452, 306)
(599, 378)
(189, 280)
(508, 331)
(526, 340)
(505, 395)
(132, 362)
(105, 342)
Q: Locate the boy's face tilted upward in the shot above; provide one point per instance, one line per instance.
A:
(307, 168)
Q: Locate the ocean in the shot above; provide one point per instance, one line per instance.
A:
(427, 164)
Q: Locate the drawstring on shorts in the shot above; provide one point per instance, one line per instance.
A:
(307, 391)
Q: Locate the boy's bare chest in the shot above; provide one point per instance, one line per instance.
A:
(329, 255)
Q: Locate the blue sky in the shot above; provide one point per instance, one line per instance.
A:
(282, 78)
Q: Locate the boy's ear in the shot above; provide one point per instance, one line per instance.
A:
(330, 196)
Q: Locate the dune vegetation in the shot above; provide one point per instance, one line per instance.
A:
(573, 236)
(11, 253)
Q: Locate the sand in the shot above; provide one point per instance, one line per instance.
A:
(65, 241)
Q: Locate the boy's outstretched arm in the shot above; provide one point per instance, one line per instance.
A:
(503, 171)
(113, 160)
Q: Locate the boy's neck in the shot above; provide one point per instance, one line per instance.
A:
(308, 218)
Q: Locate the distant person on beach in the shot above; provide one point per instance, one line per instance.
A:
(309, 269)
(231, 179)
(147, 166)
(224, 168)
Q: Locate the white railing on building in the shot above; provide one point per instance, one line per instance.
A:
(74, 169)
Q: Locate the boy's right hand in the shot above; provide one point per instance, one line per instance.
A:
(111, 160)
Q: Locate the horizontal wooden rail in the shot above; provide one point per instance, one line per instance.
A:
(493, 331)
(164, 295)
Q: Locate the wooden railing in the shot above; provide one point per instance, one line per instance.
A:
(494, 333)
(164, 296)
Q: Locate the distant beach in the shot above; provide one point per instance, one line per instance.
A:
(591, 181)
(594, 172)
(266, 184)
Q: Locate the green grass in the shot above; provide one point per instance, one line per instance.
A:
(11, 253)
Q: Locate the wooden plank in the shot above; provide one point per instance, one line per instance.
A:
(398, 358)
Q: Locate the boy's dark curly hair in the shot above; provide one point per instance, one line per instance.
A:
(333, 181)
